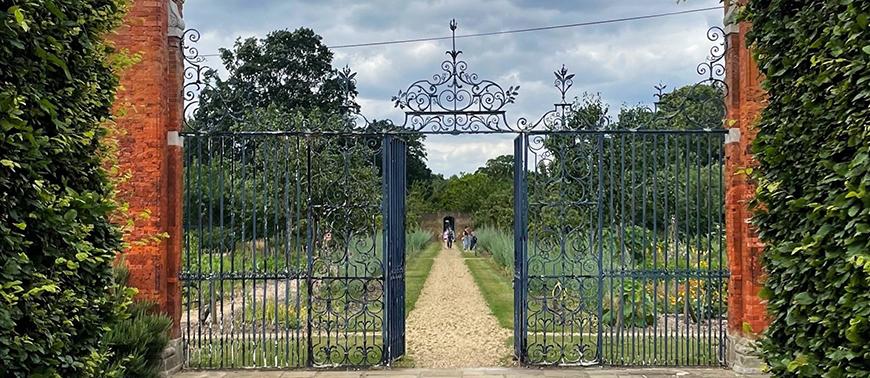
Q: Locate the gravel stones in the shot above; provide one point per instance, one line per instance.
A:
(451, 326)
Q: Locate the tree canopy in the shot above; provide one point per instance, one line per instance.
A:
(287, 71)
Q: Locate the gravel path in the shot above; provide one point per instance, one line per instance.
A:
(451, 325)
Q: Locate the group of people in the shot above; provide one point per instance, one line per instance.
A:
(469, 239)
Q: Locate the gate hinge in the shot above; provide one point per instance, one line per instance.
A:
(174, 139)
(733, 135)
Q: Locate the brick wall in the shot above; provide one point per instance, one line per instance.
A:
(745, 101)
(150, 94)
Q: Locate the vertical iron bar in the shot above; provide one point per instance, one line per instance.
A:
(524, 246)
(347, 155)
(243, 332)
(223, 244)
(676, 232)
(655, 249)
(210, 252)
(287, 251)
(309, 246)
(700, 278)
(708, 287)
(233, 204)
(621, 311)
(612, 250)
(385, 252)
(188, 213)
(632, 260)
(199, 214)
(644, 241)
(275, 181)
(600, 206)
(255, 208)
(266, 249)
(297, 249)
(667, 248)
(687, 221)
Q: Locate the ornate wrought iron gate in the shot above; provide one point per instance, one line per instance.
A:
(286, 263)
(294, 239)
(619, 248)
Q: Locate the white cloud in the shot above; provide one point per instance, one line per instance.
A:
(452, 154)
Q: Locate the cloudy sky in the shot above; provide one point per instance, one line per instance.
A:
(621, 61)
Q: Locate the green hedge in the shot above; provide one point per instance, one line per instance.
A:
(56, 242)
(813, 178)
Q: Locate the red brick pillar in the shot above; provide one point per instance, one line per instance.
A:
(150, 150)
(174, 165)
(745, 100)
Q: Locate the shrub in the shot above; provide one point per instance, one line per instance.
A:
(499, 244)
(416, 240)
(136, 340)
(56, 241)
(813, 178)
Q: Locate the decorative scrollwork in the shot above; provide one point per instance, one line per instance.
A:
(195, 72)
(700, 105)
(713, 66)
(456, 99)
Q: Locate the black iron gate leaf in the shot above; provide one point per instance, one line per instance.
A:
(394, 220)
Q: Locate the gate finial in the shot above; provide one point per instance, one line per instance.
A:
(453, 26)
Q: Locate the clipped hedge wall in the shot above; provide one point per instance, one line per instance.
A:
(56, 241)
(814, 183)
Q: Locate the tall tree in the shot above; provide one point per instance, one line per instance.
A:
(288, 71)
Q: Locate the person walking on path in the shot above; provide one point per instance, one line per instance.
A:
(472, 242)
(448, 238)
(466, 241)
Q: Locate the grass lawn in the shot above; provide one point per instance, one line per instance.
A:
(416, 270)
(495, 287)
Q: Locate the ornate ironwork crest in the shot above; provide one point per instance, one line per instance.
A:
(457, 100)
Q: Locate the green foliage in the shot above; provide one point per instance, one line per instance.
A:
(272, 312)
(633, 307)
(813, 179)
(137, 342)
(284, 81)
(631, 300)
(643, 174)
(416, 241)
(288, 71)
(417, 203)
(56, 241)
(235, 185)
(486, 194)
(499, 244)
